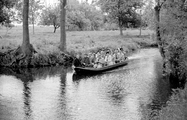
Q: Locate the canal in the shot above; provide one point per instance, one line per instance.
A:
(133, 92)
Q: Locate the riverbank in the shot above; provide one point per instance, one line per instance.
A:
(176, 106)
(45, 42)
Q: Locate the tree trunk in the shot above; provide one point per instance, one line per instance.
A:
(120, 26)
(33, 22)
(62, 25)
(121, 30)
(54, 29)
(26, 48)
(140, 23)
(32, 10)
(26, 40)
(158, 36)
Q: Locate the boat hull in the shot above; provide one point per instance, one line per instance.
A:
(89, 71)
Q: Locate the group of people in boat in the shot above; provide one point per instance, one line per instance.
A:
(101, 58)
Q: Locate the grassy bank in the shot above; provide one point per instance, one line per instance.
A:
(46, 42)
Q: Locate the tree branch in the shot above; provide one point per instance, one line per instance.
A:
(162, 3)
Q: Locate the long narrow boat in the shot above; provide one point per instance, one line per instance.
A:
(89, 70)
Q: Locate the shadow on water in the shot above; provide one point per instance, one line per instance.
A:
(27, 76)
(161, 96)
(27, 96)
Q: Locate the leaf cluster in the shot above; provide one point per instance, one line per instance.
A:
(5, 4)
(34, 10)
(121, 11)
(174, 31)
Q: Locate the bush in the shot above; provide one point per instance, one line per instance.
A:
(173, 30)
(176, 106)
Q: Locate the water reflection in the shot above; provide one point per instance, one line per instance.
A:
(30, 92)
(116, 92)
(27, 100)
(50, 93)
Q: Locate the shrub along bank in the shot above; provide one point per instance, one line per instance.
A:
(173, 29)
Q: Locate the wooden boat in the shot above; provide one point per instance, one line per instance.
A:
(90, 71)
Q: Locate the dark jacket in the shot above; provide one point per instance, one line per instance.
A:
(77, 63)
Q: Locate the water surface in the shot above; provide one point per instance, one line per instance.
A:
(126, 93)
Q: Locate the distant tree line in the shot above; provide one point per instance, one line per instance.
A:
(122, 12)
(101, 15)
(95, 16)
(79, 17)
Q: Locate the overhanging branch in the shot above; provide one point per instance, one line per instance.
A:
(162, 3)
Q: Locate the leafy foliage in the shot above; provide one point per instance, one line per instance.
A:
(148, 15)
(79, 17)
(34, 10)
(122, 12)
(173, 28)
(4, 5)
(35, 7)
(51, 16)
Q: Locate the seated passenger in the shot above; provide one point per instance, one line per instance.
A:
(117, 56)
(120, 56)
(77, 61)
(114, 57)
(123, 56)
(95, 65)
(86, 61)
(102, 61)
(109, 59)
(97, 57)
(99, 65)
(106, 57)
(92, 59)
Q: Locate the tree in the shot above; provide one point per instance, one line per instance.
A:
(158, 35)
(140, 23)
(148, 16)
(173, 33)
(93, 15)
(78, 17)
(51, 16)
(34, 10)
(121, 11)
(4, 16)
(26, 40)
(63, 4)
(26, 48)
(76, 20)
(18, 10)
